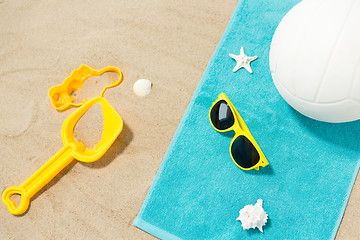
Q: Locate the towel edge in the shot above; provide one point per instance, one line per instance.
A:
(188, 109)
(153, 230)
(346, 200)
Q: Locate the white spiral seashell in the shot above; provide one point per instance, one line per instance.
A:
(252, 216)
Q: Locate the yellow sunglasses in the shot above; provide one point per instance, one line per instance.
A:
(244, 150)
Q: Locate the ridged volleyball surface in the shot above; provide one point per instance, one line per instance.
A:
(315, 59)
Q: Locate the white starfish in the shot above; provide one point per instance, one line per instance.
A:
(242, 61)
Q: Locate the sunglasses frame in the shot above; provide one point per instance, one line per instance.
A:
(240, 129)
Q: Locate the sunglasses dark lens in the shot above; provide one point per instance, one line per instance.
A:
(221, 115)
(244, 152)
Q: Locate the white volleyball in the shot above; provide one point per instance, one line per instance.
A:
(315, 59)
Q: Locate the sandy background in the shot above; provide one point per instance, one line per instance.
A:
(41, 42)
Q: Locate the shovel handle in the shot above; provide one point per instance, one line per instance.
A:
(38, 180)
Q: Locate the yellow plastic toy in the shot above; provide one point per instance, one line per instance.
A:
(60, 95)
(244, 150)
(113, 125)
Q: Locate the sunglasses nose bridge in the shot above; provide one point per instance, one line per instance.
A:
(238, 130)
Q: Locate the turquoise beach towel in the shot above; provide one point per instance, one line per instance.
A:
(198, 190)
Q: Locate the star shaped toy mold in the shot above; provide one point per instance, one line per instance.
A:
(242, 61)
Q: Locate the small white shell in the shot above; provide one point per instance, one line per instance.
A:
(252, 216)
(142, 87)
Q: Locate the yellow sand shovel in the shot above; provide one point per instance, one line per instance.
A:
(113, 125)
